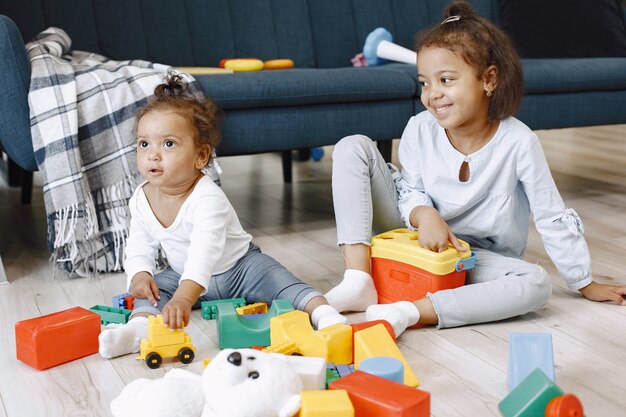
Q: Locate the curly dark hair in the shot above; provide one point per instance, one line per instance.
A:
(481, 44)
(176, 95)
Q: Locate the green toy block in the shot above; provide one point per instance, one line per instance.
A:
(111, 314)
(530, 397)
(209, 308)
(237, 331)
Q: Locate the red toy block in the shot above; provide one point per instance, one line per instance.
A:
(47, 341)
(130, 302)
(373, 396)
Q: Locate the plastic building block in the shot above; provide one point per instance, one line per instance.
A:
(566, 405)
(209, 308)
(345, 369)
(528, 351)
(56, 338)
(311, 370)
(530, 397)
(402, 270)
(111, 314)
(129, 301)
(333, 343)
(373, 396)
(237, 331)
(334, 403)
(331, 375)
(375, 341)
(364, 325)
(384, 367)
(119, 301)
(162, 342)
(256, 308)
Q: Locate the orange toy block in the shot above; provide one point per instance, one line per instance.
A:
(278, 64)
(325, 403)
(375, 341)
(333, 343)
(373, 396)
(47, 341)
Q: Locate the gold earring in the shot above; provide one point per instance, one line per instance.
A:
(488, 93)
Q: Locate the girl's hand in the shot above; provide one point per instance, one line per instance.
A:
(434, 232)
(605, 292)
(176, 312)
(143, 286)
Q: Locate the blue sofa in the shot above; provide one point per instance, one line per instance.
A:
(323, 99)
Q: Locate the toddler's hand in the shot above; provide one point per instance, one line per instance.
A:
(434, 232)
(143, 286)
(176, 312)
(605, 292)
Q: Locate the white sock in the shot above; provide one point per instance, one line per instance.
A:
(121, 339)
(400, 315)
(355, 292)
(326, 315)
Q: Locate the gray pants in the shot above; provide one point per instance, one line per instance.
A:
(365, 202)
(256, 277)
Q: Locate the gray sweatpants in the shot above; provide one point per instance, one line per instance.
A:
(256, 277)
(365, 201)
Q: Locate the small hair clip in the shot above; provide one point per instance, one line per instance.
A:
(451, 19)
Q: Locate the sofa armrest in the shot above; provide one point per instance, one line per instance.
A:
(15, 138)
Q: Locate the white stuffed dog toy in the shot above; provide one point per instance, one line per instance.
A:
(236, 383)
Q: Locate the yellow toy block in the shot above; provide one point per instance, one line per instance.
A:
(333, 343)
(285, 348)
(375, 341)
(333, 403)
(256, 308)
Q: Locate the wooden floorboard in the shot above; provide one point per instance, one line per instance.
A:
(464, 369)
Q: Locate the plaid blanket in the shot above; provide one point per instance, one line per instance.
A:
(82, 108)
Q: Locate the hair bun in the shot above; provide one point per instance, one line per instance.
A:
(460, 8)
(174, 86)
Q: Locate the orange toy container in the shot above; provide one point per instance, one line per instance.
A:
(404, 271)
(56, 338)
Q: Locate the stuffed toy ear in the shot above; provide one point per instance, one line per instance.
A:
(291, 407)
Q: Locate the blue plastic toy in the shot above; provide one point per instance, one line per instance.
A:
(528, 351)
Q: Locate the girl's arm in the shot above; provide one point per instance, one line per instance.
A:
(561, 228)
(141, 248)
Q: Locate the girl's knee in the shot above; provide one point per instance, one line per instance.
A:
(349, 144)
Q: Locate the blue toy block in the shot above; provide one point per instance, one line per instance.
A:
(209, 308)
(119, 300)
(237, 331)
(528, 351)
(384, 367)
(345, 370)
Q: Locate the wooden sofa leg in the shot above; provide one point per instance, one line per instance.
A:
(26, 178)
(14, 173)
(287, 166)
(385, 149)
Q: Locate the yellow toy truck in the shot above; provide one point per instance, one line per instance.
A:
(162, 342)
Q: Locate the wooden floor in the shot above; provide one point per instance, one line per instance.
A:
(464, 369)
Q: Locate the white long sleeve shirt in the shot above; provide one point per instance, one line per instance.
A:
(205, 239)
(509, 179)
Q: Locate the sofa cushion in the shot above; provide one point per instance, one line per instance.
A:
(306, 86)
(565, 28)
(573, 75)
(15, 79)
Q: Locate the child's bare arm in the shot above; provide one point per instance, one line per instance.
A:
(434, 232)
(605, 292)
(177, 311)
(143, 286)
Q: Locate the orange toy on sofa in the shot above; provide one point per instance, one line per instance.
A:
(56, 338)
(404, 271)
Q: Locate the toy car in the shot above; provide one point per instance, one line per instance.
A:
(162, 342)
